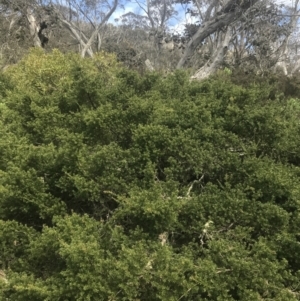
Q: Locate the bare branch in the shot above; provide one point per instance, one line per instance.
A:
(192, 185)
(97, 29)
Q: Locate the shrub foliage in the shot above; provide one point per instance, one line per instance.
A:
(116, 186)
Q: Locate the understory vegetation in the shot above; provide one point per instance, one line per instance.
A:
(121, 186)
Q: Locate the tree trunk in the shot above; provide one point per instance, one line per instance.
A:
(217, 58)
(230, 13)
(283, 51)
(86, 42)
(34, 28)
(149, 65)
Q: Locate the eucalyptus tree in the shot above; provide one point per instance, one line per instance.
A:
(155, 14)
(216, 19)
(286, 49)
(146, 27)
(84, 20)
(22, 24)
(247, 33)
(268, 38)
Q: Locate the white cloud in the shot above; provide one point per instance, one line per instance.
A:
(121, 11)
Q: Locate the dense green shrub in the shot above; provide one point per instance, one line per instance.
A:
(116, 186)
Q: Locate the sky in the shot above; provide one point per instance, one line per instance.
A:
(176, 24)
(287, 2)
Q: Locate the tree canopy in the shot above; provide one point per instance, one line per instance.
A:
(258, 36)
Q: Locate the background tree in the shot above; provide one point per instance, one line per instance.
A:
(218, 33)
(243, 43)
(20, 28)
(85, 20)
(157, 44)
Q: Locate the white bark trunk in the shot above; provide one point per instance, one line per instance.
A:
(77, 36)
(34, 28)
(209, 27)
(280, 67)
(149, 65)
(84, 42)
(296, 68)
(284, 48)
(217, 58)
(97, 29)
